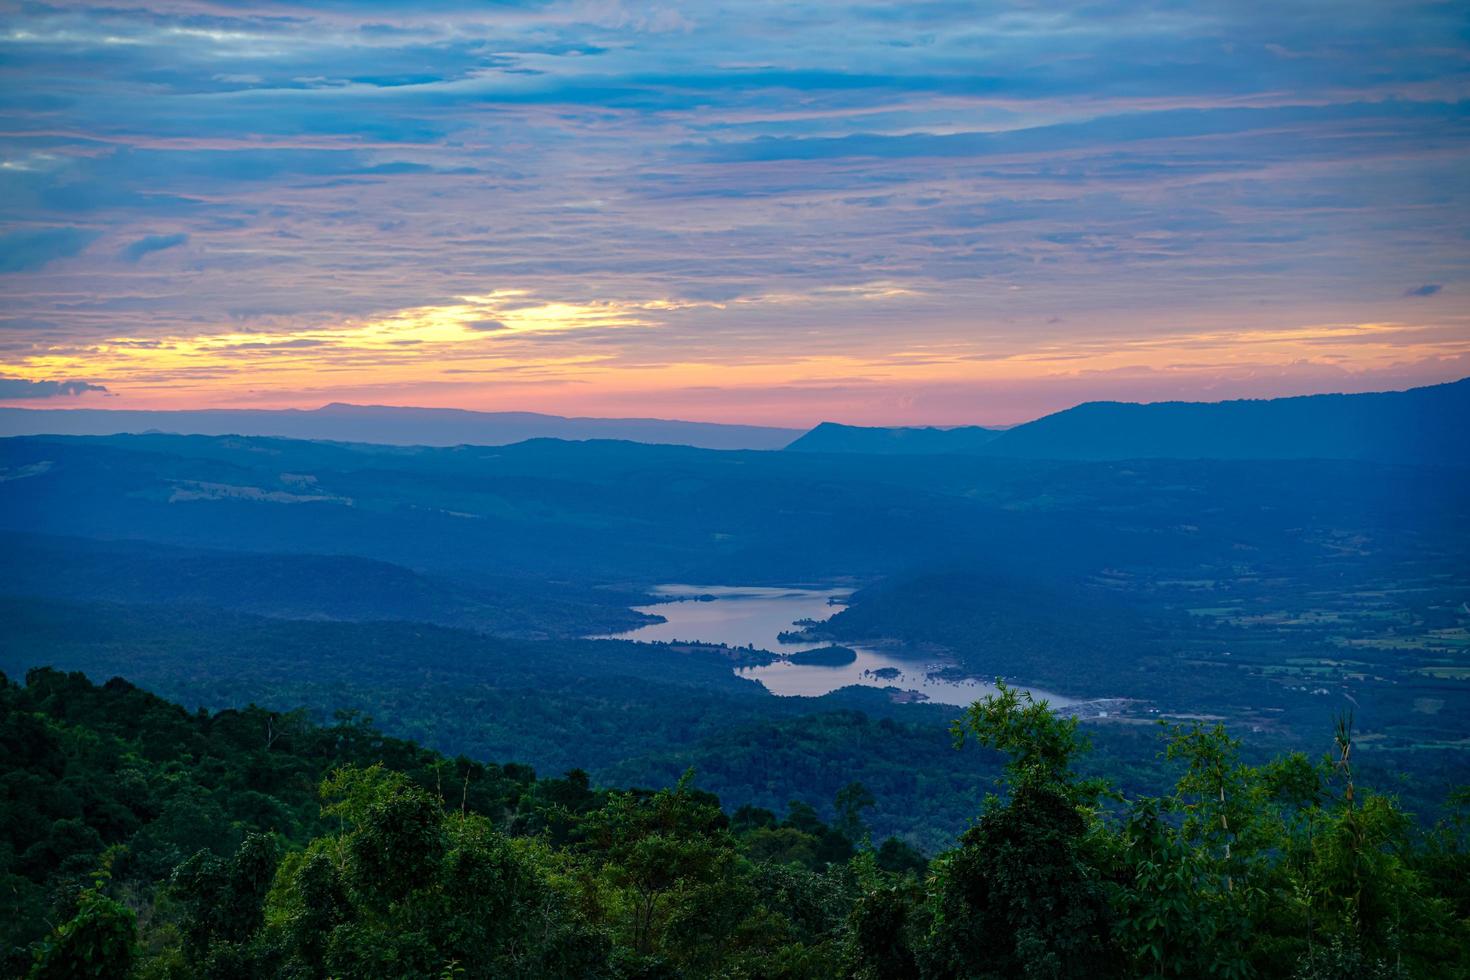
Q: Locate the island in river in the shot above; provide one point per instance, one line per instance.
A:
(762, 619)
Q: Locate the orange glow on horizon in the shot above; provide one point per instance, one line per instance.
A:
(487, 352)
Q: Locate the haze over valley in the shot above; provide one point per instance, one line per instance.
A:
(1265, 593)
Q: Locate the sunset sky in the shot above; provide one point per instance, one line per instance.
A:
(912, 212)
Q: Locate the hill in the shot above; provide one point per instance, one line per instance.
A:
(832, 437)
(619, 512)
(1419, 426)
(112, 790)
(390, 425)
(145, 840)
(304, 586)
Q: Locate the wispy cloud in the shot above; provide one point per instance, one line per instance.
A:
(151, 243)
(677, 192)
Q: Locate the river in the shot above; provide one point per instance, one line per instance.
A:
(753, 616)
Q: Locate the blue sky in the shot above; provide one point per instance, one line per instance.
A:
(783, 212)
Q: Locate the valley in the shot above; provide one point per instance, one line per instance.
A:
(1264, 594)
(785, 632)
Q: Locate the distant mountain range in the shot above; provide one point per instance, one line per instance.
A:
(389, 425)
(1422, 425)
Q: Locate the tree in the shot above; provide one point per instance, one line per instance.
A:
(671, 859)
(220, 904)
(899, 857)
(406, 890)
(1167, 916)
(888, 925)
(1371, 915)
(851, 801)
(1036, 741)
(99, 941)
(1019, 898)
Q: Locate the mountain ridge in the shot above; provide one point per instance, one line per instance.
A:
(834, 437)
(390, 425)
(1415, 425)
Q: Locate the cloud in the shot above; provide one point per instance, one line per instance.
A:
(151, 243)
(1104, 130)
(1132, 175)
(16, 388)
(31, 249)
(1428, 289)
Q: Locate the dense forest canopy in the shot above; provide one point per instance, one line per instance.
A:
(142, 840)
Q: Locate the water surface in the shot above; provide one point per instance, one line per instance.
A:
(754, 616)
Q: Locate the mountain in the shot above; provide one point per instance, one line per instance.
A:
(389, 425)
(1421, 425)
(832, 437)
(306, 586)
(600, 512)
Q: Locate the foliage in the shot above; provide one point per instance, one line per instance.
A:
(1019, 898)
(246, 845)
(98, 941)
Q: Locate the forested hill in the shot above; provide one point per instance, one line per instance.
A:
(294, 586)
(831, 437)
(1419, 426)
(142, 840)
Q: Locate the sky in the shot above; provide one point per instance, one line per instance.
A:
(767, 212)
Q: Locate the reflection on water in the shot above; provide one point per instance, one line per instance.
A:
(753, 617)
